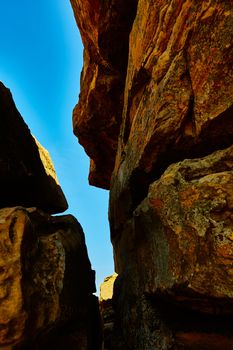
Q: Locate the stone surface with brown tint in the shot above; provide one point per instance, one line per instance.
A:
(174, 259)
(170, 197)
(192, 205)
(178, 91)
(104, 28)
(27, 175)
(46, 282)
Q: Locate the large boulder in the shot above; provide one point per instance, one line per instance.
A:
(27, 175)
(178, 93)
(171, 224)
(174, 259)
(171, 187)
(46, 283)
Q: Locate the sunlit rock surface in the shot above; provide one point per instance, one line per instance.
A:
(27, 175)
(106, 288)
(106, 308)
(46, 282)
(171, 187)
(104, 27)
(178, 91)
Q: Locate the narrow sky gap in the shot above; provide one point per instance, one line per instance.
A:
(41, 61)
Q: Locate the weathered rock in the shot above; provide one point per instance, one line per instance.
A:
(104, 28)
(106, 308)
(27, 175)
(46, 281)
(170, 224)
(192, 208)
(174, 258)
(178, 93)
(143, 322)
(106, 288)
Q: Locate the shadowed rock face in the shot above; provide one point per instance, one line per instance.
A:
(171, 187)
(46, 280)
(27, 175)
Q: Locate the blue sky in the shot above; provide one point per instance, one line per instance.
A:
(41, 61)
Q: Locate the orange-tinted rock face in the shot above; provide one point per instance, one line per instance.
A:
(178, 92)
(104, 28)
(171, 187)
(46, 281)
(184, 227)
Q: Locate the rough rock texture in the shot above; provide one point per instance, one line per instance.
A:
(106, 288)
(46, 282)
(171, 188)
(182, 108)
(106, 308)
(104, 27)
(27, 175)
(174, 258)
(192, 203)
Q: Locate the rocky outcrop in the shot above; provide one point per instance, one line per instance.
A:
(183, 108)
(104, 28)
(27, 175)
(174, 258)
(46, 277)
(171, 187)
(46, 280)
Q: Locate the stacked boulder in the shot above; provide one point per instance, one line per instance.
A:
(46, 280)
